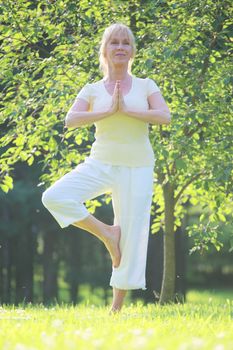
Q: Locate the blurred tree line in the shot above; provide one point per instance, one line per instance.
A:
(50, 50)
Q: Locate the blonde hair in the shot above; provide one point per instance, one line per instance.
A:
(109, 31)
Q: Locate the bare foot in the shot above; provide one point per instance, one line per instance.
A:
(114, 311)
(111, 241)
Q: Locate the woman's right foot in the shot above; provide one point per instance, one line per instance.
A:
(114, 311)
(112, 243)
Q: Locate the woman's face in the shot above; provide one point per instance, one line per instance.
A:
(119, 49)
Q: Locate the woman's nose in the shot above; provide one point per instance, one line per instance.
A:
(120, 46)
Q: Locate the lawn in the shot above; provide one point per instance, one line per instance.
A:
(204, 322)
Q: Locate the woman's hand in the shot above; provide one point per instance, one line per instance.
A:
(121, 103)
(115, 99)
(118, 103)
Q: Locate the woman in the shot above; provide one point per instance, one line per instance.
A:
(121, 161)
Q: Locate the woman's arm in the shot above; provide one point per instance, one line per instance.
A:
(79, 113)
(158, 112)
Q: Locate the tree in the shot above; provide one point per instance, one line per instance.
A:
(50, 51)
(194, 155)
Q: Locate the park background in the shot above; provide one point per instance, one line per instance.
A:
(49, 51)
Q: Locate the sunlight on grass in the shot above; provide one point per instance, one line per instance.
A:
(204, 296)
(199, 324)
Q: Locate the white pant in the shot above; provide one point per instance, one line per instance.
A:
(131, 196)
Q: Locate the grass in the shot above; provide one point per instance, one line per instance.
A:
(204, 322)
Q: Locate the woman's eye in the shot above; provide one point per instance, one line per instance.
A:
(115, 42)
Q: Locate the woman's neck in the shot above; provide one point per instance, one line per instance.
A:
(117, 74)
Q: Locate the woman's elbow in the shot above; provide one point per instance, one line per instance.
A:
(168, 118)
(165, 118)
(70, 122)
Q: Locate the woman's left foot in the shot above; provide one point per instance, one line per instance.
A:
(112, 241)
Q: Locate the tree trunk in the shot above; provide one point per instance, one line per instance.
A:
(24, 267)
(5, 262)
(132, 15)
(169, 265)
(74, 263)
(5, 271)
(50, 262)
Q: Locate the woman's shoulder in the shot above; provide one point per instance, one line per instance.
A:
(142, 80)
(91, 88)
(148, 84)
(95, 84)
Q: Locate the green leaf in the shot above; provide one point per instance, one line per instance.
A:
(180, 164)
(5, 188)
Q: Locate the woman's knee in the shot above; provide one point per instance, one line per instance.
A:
(49, 198)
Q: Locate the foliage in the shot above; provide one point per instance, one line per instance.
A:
(44, 64)
(192, 65)
(210, 264)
